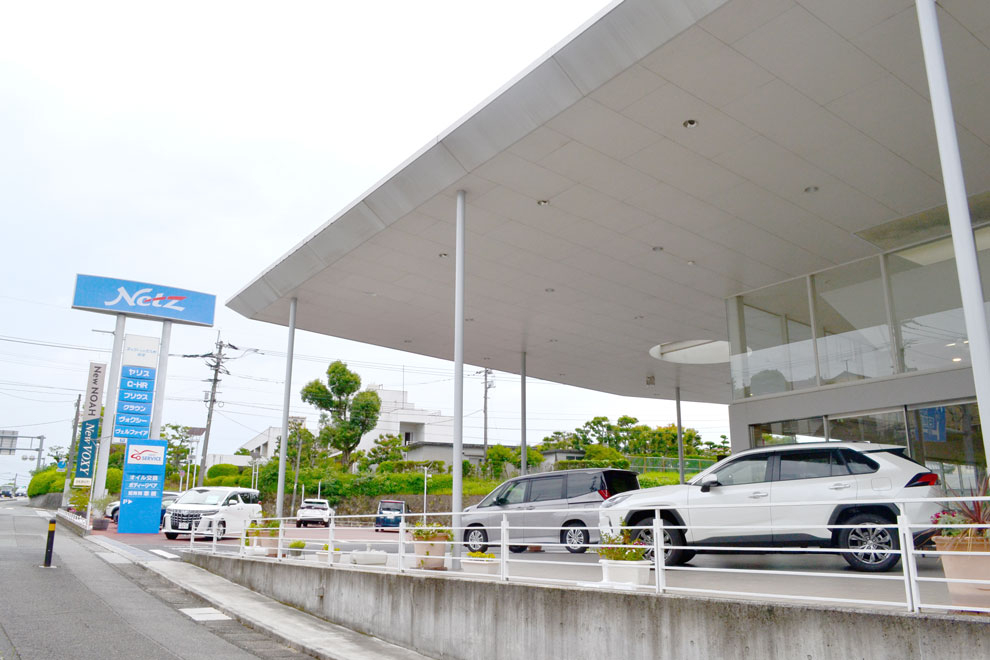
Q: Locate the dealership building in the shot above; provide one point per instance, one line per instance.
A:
(769, 204)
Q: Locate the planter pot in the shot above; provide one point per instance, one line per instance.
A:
(430, 554)
(101, 523)
(295, 552)
(255, 551)
(627, 572)
(484, 566)
(369, 557)
(966, 567)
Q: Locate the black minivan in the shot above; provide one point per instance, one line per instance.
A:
(546, 508)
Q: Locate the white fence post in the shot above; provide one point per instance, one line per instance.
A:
(281, 536)
(907, 561)
(503, 560)
(243, 541)
(402, 543)
(330, 529)
(213, 547)
(658, 550)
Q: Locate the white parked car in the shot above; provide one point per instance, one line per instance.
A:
(754, 499)
(315, 512)
(213, 511)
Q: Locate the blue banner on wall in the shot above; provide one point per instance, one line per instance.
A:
(141, 488)
(933, 424)
(113, 296)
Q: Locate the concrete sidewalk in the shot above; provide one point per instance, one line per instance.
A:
(290, 626)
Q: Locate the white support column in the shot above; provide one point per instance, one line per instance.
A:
(156, 414)
(963, 243)
(459, 258)
(98, 489)
(680, 434)
(286, 396)
(523, 466)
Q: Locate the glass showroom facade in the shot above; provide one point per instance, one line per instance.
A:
(884, 317)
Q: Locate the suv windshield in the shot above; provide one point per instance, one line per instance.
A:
(315, 504)
(203, 496)
(388, 507)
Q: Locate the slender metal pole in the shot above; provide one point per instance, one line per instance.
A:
(458, 464)
(209, 414)
(98, 489)
(285, 409)
(963, 243)
(680, 435)
(159, 404)
(522, 416)
(50, 544)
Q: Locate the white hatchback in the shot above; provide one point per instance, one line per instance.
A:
(213, 511)
(788, 496)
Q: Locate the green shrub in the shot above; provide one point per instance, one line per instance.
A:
(620, 463)
(244, 481)
(222, 470)
(233, 480)
(48, 481)
(653, 479)
(115, 477)
(412, 466)
(215, 481)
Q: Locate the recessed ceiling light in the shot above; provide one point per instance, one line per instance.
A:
(638, 317)
(950, 345)
(486, 359)
(690, 123)
(443, 255)
(549, 289)
(658, 248)
(690, 262)
(561, 375)
(957, 359)
(407, 341)
(469, 319)
(965, 341)
(542, 202)
(811, 189)
(552, 341)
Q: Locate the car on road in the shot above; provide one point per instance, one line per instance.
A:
(314, 512)
(389, 514)
(214, 511)
(21, 491)
(550, 507)
(831, 495)
(6, 491)
(113, 509)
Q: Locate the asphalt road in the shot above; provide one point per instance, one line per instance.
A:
(827, 576)
(95, 605)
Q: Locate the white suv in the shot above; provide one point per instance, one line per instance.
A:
(754, 499)
(214, 511)
(315, 512)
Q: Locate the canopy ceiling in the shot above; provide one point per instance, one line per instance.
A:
(687, 151)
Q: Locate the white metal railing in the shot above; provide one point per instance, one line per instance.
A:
(340, 546)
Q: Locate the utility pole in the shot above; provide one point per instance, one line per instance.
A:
(295, 483)
(217, 366)
(72, 454)
(488, 386)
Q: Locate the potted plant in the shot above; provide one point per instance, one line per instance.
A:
(966, 539)
(621, 559)
(480, 562)
(99, 506)
(430, 542)
(296, 548)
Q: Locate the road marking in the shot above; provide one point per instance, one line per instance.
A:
(204, 614)
(113, 558)
(166, 555)
(44, 514)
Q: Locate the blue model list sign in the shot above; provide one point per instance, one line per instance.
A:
(152, 301)
(141, 488)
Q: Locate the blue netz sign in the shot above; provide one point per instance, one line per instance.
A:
(153, 301)
(141, 487)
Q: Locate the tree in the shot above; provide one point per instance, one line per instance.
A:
(496, 458)
(178, 444)
(388, 447)
(352, 413)
(57, 454)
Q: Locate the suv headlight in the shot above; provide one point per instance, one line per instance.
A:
(211, 512)
(615, 499)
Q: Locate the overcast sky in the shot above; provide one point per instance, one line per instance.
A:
(192, 144)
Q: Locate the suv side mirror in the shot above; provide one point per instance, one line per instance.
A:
(709, 481)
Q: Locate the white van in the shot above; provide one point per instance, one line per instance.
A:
(213, 511)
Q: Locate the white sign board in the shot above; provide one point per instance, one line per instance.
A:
(8, 441)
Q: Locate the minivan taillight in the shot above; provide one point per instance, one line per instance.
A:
(604, 493)
(923, 479)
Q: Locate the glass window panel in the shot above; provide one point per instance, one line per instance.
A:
(745, 470)
(812, 464)
(884, 428)
(773, 352)
(949, 440)
(853, 336)
(549, 488)
(788, 432)
(927, 306)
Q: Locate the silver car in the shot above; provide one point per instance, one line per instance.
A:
(553, 507)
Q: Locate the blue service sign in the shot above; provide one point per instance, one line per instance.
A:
(113, 296)
(132, 395)
(133, 408)
(141, 487)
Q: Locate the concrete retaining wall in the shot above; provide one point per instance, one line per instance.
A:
(463, 619)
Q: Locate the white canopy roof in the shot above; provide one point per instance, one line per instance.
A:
(669, 154)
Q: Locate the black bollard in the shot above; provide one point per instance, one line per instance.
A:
(51, 543)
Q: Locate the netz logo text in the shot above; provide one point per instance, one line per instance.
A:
(144, 298)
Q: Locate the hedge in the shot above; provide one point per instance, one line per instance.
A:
(222, 470)
(49, 481)
(412, 466)
(622, 464)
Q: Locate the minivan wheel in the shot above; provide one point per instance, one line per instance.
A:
(575, 537)
(872, 543)
(517, 548)
(671, 537)
(475, 539)
(171, 536)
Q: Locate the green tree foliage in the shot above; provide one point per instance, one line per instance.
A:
(116, 459)
(387, 447)
(496, 459)
(628, 436)
(46, 481)
(222, 470)
(352, 413)
(115, 477)
(178, 445)
(242, 452)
